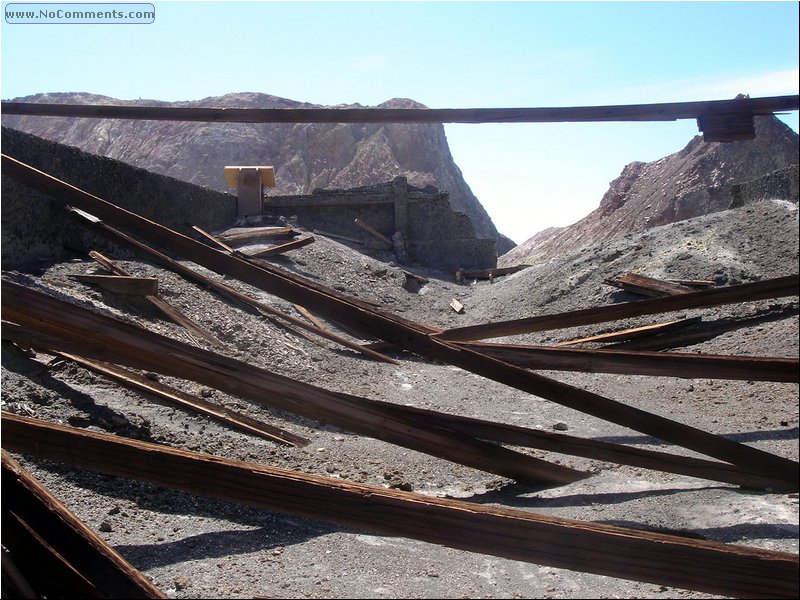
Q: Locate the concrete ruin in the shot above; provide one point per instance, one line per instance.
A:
(424, 229)
(419, 223)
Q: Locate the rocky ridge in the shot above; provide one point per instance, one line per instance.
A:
(694, 181)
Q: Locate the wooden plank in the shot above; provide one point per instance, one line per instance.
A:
(647, 286)
(252, 236)
(760, 290)
(633, 333)
(281, 248)
(309, 316)
(65, 327)
(162, 305)
(88, 563)
(635, 112)
(457, 306)
(214, 240)
(374, 233)
(661, 364)
(411, 336)
(677, 561)
(134, 286)
(190, 402)
(337, 236)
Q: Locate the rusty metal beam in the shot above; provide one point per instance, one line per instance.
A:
(67, 557)
(728, 570)
(664, 364)
(713, 111)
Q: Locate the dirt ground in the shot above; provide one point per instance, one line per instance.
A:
(194, 547)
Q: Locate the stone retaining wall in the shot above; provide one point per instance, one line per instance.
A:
(35, 229)
(782, 184)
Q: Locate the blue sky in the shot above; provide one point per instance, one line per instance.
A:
(445, 55)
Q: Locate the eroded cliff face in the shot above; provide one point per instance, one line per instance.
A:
(694, 181)
(306, 156)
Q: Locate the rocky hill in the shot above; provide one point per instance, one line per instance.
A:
(695, 181)
(305, 156)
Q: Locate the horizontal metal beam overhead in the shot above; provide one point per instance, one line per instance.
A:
(630, 112)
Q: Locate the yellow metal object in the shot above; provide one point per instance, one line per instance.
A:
(266, 173)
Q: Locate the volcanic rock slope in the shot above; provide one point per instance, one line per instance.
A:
(306, 156)
(695, 181)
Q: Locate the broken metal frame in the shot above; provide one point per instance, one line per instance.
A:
(414, 337)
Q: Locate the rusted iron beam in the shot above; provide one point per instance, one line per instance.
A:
(760, 290)
(225, 290)
(281, 248)
(374, 233)
(62, 554)
(213, 239)
(158, 302)
(489, 274)
(711, 567)
(663, 364)
(647, 286)
(620, 454)
(713, 110)
(190, 402)
(232, 377)
(633, 333)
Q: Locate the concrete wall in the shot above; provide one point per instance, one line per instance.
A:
(434, 234)
(34, 228)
